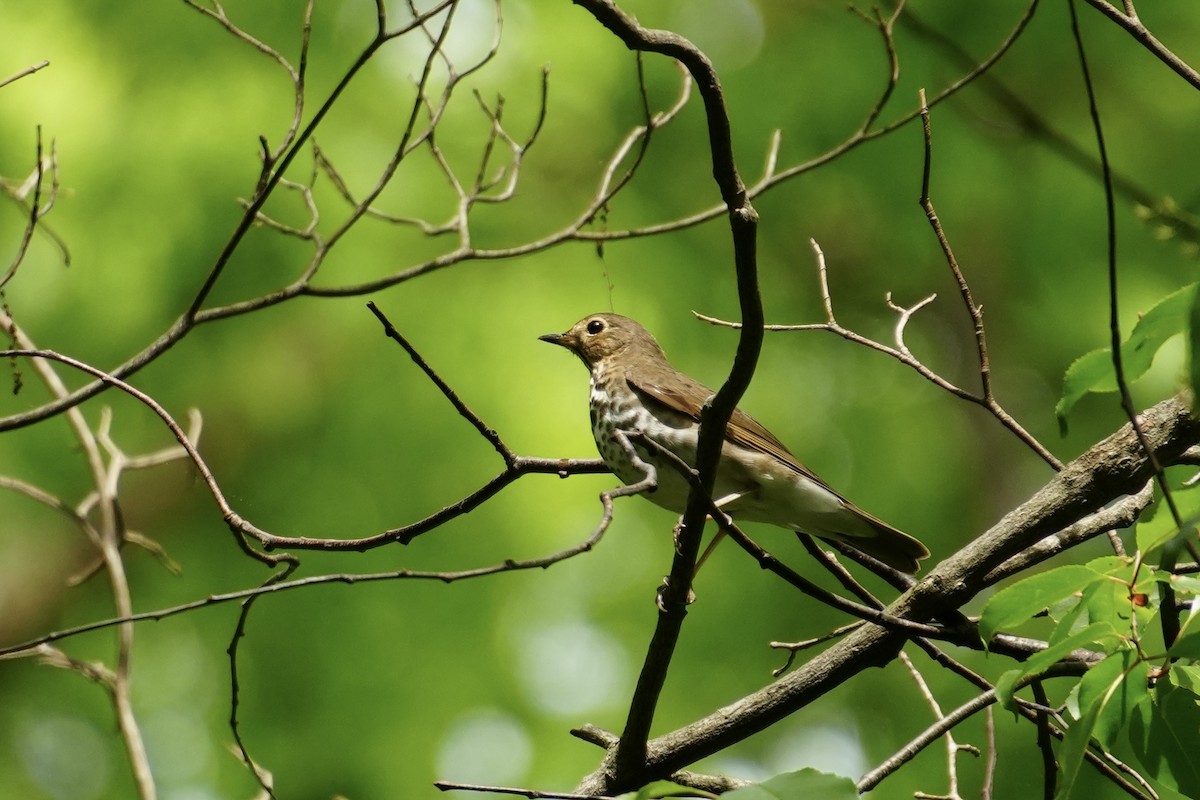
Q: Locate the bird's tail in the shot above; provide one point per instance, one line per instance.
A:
(880, 540)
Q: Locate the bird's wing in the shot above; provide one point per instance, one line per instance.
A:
(743, 430)
(686, 396)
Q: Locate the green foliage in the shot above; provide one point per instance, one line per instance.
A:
(1095, 372)
(1140, 694)
(1029, 596)
(1162, 732)
(1194, 345)
(795, 785)
(660, 789)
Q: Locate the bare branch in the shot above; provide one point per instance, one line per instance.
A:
(1121, 514)
(886, 29)
(942, 727)
(1128, 20)
(23, 649)
(268, 181)
(900, 351)
(45, 163)
(534, 794)
(24, 73)
(985, 398)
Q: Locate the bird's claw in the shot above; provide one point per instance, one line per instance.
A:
(660, 596)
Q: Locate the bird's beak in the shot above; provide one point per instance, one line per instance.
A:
(559, 339)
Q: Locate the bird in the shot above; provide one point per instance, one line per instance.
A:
(635, 390)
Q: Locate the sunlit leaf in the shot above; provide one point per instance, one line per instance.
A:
(1118, 683)
(1159, 528)
(1094, 371)
(1070, 753)
(1187, 643)
(1098, 603)
(1184, 583)
(804, 783)
(658, 789)
(1016, 603)
(1094, 634)
(1186, 676)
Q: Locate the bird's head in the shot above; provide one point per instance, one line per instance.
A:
(598, 337)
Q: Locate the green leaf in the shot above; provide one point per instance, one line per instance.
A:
(1154, 532)
(806, 783)
(1014, 604)
(1194, 344)
(1186, 676)
(1187, 643)
(1160, 528)
(1096, 633)
(658, 789)
(1094, 371)
(1164, 734)
(1107, 697)
(1070, 753)
(1118, 684)
(1099, 603)
(1182, 583)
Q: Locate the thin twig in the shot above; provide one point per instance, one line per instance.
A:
(899, 351)
(23, 73)
(989, 768)
(533, 794)
(952, 747)
(268, 181)
(520, 466)
(347, 578)
(986, 398)
(944, 724)
(35, 214)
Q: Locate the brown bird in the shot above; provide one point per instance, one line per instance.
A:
(635, 389)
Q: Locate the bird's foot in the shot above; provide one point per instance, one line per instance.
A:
(660, 596)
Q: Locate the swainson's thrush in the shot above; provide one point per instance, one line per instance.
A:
(635, 389)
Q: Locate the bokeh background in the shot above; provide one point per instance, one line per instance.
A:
(316, 424)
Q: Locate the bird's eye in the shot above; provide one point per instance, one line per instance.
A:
(595, 326)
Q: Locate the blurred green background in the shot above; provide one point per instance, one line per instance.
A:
(315, 424)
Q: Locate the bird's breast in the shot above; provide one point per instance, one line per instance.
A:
(614, 407)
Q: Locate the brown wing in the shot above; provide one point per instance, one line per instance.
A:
(686, 396)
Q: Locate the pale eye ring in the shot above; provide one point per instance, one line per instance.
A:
(595, 326)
